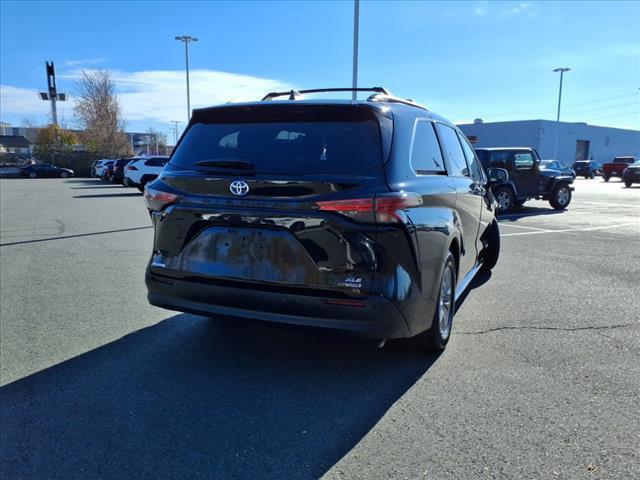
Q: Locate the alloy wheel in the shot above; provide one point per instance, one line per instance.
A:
(504, 200)
(563, 196)
(446, 302)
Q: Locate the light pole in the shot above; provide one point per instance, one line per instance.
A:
(356, 28)
(187, 39)
(175, 131)
(555, 149)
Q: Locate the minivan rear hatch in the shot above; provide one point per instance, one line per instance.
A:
(252, 180)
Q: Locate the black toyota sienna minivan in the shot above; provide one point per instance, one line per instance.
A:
(371, 216)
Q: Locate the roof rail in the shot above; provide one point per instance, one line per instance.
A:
(382, 97)
(297, 94)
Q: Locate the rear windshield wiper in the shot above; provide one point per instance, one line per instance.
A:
(225, 164)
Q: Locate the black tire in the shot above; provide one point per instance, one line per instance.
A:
(505, 198)
(435, 339)
(592, 175)
(586, 177)
(64, 175)
(605, 178)
(491, 251)
(561, 196)
(33, 175)
(628, 183)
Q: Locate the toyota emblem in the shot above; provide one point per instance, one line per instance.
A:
(238, 187)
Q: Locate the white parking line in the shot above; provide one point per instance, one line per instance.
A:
(502, 224)
(587, 229)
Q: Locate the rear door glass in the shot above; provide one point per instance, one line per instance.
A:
(426, 156)
(313, 147)
(501, 159)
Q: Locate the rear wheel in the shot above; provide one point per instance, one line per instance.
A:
(505, 198)
(628, 183)
(561, 197)
(436, 337)
(592, 175)
(491, 251)
(64, 175)
(605, 178)
(33, 175)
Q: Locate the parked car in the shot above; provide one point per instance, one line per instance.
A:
(615, 168)
(631, 174)
(526, 179)
(46, 170)
(369, 215)
(116, 171)
(105, 171)
(94, 167)
(143, 170)
(99, 168)
(558, 167)
(587, 168)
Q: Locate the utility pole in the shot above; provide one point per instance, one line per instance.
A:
(356, 28)
(555, 149)
(187, 39)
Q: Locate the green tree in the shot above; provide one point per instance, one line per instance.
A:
(53, 140)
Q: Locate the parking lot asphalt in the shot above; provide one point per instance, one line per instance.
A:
(541, 378)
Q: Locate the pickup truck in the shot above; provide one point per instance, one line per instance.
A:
(615, 168)
(526, 180)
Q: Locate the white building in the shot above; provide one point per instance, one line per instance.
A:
(576, 141)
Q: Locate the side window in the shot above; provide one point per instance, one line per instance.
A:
(472, 159)
(155, 162)
(425, 156)
(501, 159)
(455, 155)
(523, 160)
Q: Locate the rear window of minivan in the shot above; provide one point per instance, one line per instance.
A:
(303, 143)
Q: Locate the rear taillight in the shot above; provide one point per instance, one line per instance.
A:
(156, 200)
(384, 208)
(131, 167)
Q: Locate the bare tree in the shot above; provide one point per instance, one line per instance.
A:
(98, 115)
(157, 141)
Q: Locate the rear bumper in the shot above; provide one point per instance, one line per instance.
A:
(127, 181)
(377, 317)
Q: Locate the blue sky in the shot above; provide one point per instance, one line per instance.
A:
(464, 60)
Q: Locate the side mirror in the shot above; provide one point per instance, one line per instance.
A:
(497, 175)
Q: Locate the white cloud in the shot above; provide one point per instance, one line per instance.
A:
(25, 102)
(480, 10)
(503, 10)
(84, 61)
(519, 9)
(153, 96)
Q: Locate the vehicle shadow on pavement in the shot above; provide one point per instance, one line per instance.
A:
(109, 195)
(514, 215)
(113, 187)
(192, 397)
(480, 279)
(86, 181)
